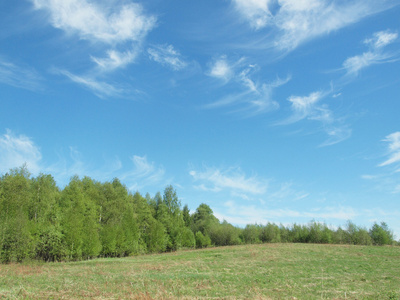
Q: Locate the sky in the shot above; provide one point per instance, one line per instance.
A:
(282, 111)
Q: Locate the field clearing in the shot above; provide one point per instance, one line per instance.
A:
(268, 271)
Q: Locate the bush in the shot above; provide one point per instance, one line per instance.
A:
(50, 246)
(202, 241)
(381, 235)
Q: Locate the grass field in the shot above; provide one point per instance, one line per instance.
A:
(270, 271)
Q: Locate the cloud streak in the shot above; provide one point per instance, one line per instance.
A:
(19, 77)
(232, 179)
(353, 65)
(110, 28)
(310, 108)
(393, 141)
(254, 97)
(100, 89)
(91, 21)
(296, 22)
(388, 179)
(144, 173)
(115, 59)
(17, 150)
(167, 56)
(221, 69)
(251, 214)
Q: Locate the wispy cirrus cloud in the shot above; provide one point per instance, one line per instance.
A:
(295, 22)
(167, 56)
(256, 12)
(254, 97)
(387, 180)
(17, 150)
(310, 108)
(250, 214)
(99, 88)
(222, 69)
(118, 30)
(99, 23)
(353, 65)
(231, 179)
(307, 107)
(381, 39)
(141, 173)
(20, 77)
(393, 141)
(115, 59)
(144, 173)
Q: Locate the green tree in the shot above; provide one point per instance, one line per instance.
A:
(252, 233)
(270, 234)
(16, 241)
(201, 240)
(186, 216)
(79, 222)
(204, 219)
(44, 215)
(381, 234)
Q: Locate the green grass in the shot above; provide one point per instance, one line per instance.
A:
(270, 271)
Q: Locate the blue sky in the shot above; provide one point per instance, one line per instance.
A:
(279, 111)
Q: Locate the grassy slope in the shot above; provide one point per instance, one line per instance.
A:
(271, 271)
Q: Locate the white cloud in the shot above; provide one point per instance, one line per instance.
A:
(297, 21)
(101, 89)
(353, 65)
(67, 166)
(16, 151)
(336, 134)
(221, 69)
(381, 39)
(394, 149)
(115, 59)
(251, 214)
(310, 108)
(167, 55)
(94, 22)
(255, 97)
(232, 179)
(255, 11)
(305, 106)
(112, 28)
(143, 174)
(19, 77)
(387, 181)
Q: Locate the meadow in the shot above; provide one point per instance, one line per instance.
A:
(265, 271)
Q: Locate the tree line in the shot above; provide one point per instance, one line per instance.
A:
(89, 219)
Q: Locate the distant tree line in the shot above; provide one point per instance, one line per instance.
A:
(89, 219)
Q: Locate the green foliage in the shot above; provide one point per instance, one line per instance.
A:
(156, 238)
(16, 241)
(203, 219)
(381, 235)
(252, 234)
(88, 219)
(225, 234)
(50, 245)
(270, 233)
(186, 216)
(188, 238)
(201, 240)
